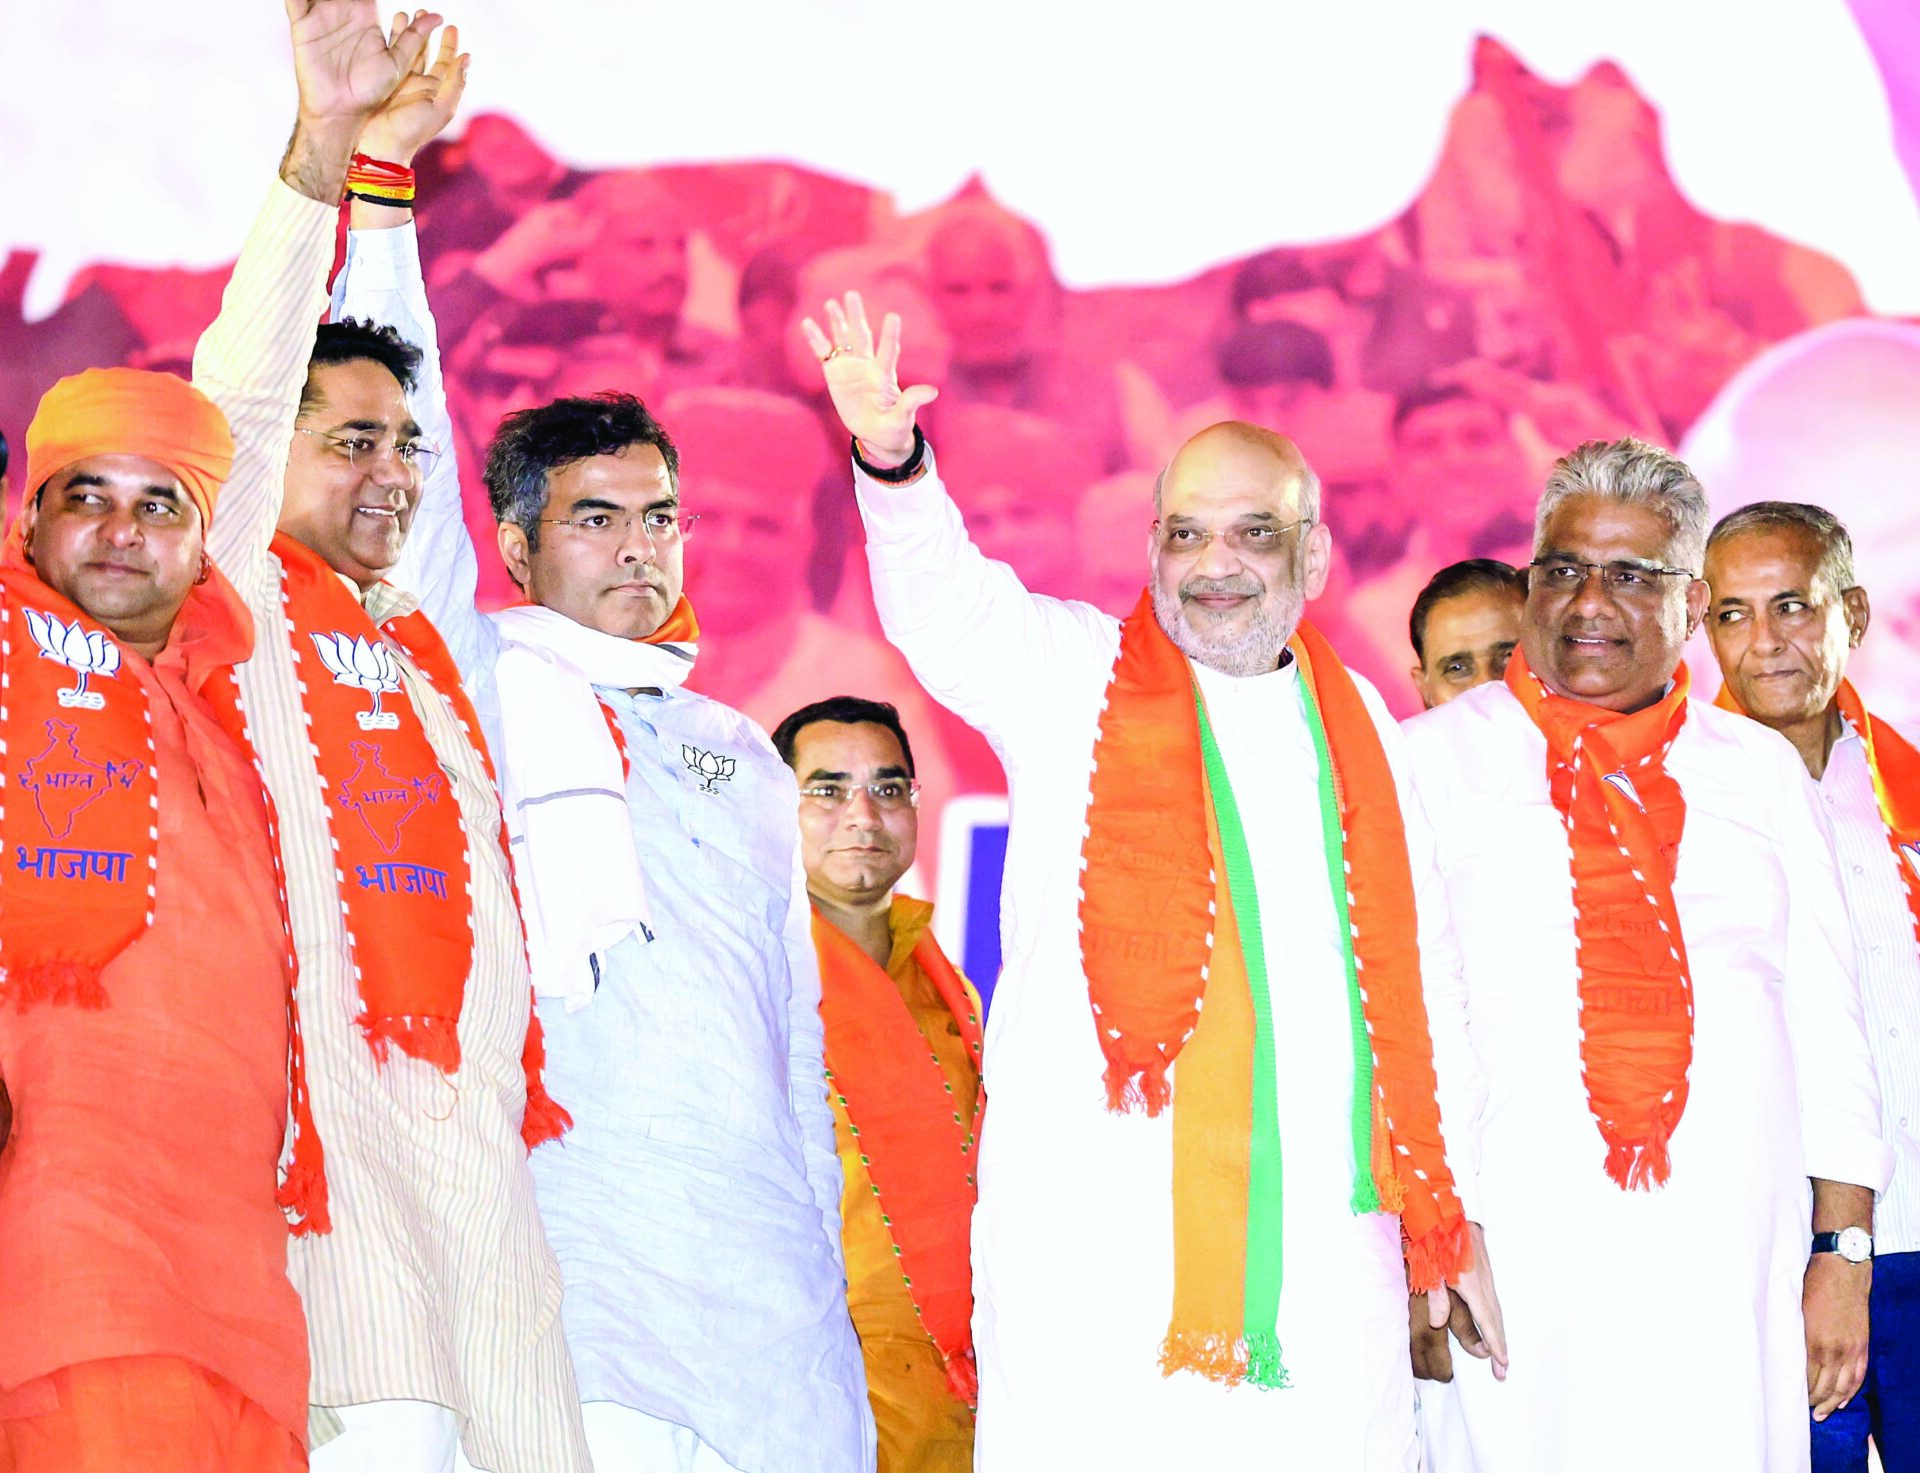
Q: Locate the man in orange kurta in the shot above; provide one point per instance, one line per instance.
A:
(903, 1065)
(148, 1319)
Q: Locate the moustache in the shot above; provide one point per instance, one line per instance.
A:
(1241, 587)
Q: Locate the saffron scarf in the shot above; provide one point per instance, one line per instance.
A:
(916, 1140)
(1170, 920)
(1624, 816)
(79, 860)
(402, 861)
(1895, 766)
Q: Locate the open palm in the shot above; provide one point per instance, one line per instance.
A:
(863, 378)
(422, 105)
(343, 60)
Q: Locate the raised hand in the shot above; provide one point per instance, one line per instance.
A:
(864, 380)
(344, 62)
(347, 68)
(424, 102)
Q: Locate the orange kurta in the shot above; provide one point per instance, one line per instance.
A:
(923, 1427)
(137, 1213)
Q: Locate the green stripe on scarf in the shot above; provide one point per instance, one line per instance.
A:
(1366, 1197)
(1264, 1259)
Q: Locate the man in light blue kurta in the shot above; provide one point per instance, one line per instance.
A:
(694, 1206)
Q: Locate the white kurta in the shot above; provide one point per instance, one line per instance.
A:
(1073, 1237)
(1650, 1330)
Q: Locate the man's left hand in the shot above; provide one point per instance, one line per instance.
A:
(1834, 1301)
(423, 104)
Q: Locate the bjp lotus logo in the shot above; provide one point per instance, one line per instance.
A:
(83, 653)
(364, 665)
(709, 767)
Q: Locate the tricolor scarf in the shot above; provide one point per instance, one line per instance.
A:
(79, 800)
(1169, 918)
(1624, 816)
(1895, 766)
(401, 859)
(916, 1140)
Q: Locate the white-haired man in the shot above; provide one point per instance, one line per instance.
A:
(1205, 812)
(1661, 992)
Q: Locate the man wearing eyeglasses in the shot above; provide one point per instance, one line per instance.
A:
(431, 1304)
(1208, 1141)
(695, 1212)
(903, 1051)
(1661, 990)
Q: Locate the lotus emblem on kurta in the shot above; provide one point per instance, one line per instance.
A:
(83, 653)
(709, 767)
(366, 665)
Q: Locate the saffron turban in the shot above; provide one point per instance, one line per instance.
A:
(128, 411)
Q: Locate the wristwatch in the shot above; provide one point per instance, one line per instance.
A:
(1855, 1244)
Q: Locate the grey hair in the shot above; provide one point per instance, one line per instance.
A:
(1836, 546)
(1637, 474)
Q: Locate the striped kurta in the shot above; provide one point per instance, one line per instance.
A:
(436, 1283)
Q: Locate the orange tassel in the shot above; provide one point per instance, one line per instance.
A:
(545, 1120)
(435, 1041)
(76, 984)
(1438, 1256)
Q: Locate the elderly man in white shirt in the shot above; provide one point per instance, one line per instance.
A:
(1660, 987)
(1787, 614)
(1134, 1233)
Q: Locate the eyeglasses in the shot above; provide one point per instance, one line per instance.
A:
(664, 525)
(888, 793)
(1251, 539)
(1622, 579)
(362, 451)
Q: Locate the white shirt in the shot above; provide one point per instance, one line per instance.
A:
(1661, 1329)
(1889, 965)
(1073, 1236)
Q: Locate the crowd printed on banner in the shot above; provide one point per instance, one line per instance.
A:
(1549, 284)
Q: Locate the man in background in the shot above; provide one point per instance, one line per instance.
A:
(1787, 612)
(1464, 625)
(903, 1055)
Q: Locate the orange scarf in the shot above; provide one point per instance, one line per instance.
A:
(76, 803)
(1161, 932)
(1624, 817)
(915, 1142)
(82, 864)
(1895, 766)
(402, 862)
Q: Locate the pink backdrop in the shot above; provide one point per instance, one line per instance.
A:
(1549, 284)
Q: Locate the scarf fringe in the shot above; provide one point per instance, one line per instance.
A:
(1219, 1358)
(1366, 1194)
(1439, 1255)
(1133, 1087)
(1640, 1166)
(75, 984)
(1263, 1362)
(545, 1120)
(435, 1041)
(303, 1197)
(963, 1378)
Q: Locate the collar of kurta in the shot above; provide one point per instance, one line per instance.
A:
(1894, 764)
